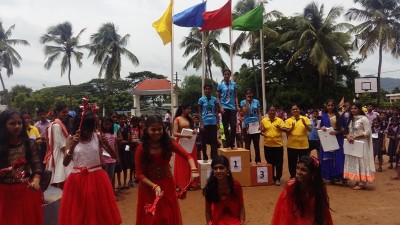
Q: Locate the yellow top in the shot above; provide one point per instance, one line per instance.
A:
(273, 136)
(298, 138)
(33, 132)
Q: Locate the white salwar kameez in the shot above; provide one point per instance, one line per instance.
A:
(360, 169)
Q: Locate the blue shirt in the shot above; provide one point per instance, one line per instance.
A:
(208, 114)
(227, 94)
(252, 115)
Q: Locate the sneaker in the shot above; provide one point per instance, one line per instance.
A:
(277, 183)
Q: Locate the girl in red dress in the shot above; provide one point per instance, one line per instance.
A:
(20, 203)
(224, 195)
(88, 197)
(155, 177)
(181, 169)
(304, 201)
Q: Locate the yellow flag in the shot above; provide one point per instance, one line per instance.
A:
(163, 26)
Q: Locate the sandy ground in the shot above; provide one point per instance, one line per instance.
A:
(379, 204)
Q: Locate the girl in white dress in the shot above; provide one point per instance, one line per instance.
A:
(359, 169)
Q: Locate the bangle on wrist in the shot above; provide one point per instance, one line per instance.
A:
(194, 170)
(155, 186)
(69, 152)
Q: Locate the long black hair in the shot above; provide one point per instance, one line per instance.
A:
(179, 112)
(210, 191)
(321, 204)
(165, 140)
(359, 107)
(89, 122)
(339, 124)
(109, 119)
(4, 134)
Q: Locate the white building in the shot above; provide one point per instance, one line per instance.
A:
(393, 97)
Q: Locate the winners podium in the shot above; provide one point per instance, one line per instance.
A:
(261, 174)
(205, 171)
(247, 174)
(239, 160)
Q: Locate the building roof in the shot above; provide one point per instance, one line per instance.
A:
(152, 87)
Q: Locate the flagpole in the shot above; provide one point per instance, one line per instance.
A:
(231, 52)
(263, 73)
(203, 62)
(172, 69)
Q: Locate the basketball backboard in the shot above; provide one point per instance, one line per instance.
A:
(366, 85)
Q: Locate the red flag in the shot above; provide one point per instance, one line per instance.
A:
(219, 18)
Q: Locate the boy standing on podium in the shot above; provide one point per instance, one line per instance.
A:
(208, 122)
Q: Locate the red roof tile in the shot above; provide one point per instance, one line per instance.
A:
(157, 84)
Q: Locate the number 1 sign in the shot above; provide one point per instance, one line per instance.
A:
(236, 164)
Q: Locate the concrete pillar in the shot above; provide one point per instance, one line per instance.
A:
(136, 105)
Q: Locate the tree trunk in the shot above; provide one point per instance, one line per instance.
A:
(320, 81)
(5, 91)
(255, 78)
(255, 75)
(378, 100)
(209, 63)
(70, 83)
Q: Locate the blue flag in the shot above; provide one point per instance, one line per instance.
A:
(191, 17)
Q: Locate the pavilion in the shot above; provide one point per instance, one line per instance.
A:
(152, 87)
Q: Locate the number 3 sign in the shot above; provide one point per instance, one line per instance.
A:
(262, 174)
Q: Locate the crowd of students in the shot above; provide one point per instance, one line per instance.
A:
(87, 156)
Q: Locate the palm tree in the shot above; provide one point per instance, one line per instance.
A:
(107, 46)
(251, 37)
(318, 39)
(380, 29)
(9, 57)
(212, 46)
(64, 44)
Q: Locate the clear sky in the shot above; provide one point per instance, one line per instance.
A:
(134, 17)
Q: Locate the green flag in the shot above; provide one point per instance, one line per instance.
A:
(250, 21)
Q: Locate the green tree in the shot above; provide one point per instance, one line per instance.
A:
(396, 90)
(138, 77)
(301, 80)
(192, 44)
(191, 90)
(318, 39)
(59, 41)
(380, 29)
(9, 57)
(20, 89)
(252, 37)
(106, 47)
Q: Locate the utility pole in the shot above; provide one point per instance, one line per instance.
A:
(176, 89)
(176, 79)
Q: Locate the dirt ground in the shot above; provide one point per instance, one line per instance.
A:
(379, 204)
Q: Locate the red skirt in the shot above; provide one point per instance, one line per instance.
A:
(88, 199)
(20, 205)
(182, 170)
(167, 210)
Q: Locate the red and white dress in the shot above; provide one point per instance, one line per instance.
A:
(20, 205)
(88, 197)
